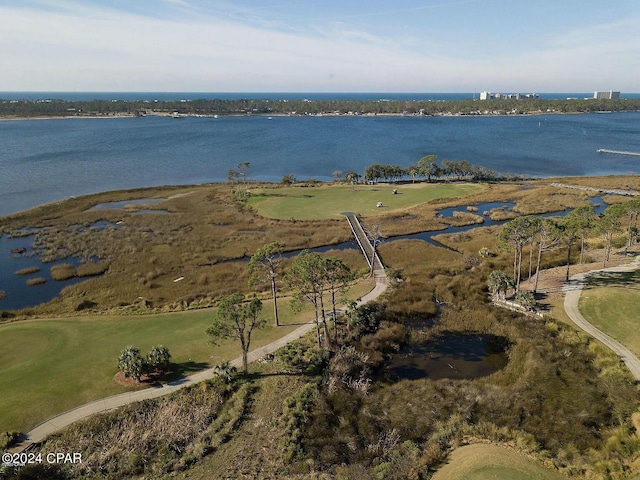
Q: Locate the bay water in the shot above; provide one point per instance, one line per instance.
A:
(43, 161)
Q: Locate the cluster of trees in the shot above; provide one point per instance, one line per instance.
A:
(53, 107)
(543, 235)
(313, 279)
(134, 366)
(428, 167)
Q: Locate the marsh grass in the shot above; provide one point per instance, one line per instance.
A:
(63, 271)
(32, 282)
(561, 398)
(150, 437)
(206, 228)
(91, 269)
(27, 271)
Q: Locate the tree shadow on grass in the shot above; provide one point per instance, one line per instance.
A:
(179, 371)
(614, 279)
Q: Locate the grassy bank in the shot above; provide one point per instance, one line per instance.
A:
(54, 365)
(610, 302)
(485, 462)
(326, 201)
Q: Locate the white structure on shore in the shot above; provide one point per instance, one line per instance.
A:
(516, 96)
(606, 95)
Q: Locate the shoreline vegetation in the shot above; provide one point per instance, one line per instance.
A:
(143, 255)
(46, 109)
(167, 264)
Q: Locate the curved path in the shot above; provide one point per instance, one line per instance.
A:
(43, 430)
(572, 295)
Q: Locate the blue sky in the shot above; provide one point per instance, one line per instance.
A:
(320, 45)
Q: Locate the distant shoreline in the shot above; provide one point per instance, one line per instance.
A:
(292, 115)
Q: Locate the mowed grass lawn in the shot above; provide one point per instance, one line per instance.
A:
(611, 303)
(50, 366)
(485, 462)
(328, 201)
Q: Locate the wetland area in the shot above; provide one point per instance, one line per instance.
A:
(149, 265)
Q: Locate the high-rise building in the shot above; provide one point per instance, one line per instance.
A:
(606, 95)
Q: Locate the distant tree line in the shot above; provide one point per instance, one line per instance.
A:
(427, 168)
(56, 107)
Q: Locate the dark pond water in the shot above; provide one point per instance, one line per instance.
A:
(18, 293)
(481, 208)
(452, 355)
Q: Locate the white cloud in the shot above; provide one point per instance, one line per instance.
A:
(76, 46)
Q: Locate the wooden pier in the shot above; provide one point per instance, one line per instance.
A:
(369, 252)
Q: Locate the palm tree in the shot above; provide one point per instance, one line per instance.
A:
(499, 281)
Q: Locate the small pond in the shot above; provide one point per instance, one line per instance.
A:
(480, 209)
(17, 254)
(452, 355)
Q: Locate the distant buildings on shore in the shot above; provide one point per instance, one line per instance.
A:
(606, 95)
(516, 96)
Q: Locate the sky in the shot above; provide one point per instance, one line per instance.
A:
(503, 46)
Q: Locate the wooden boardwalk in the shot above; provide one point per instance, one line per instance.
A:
(370, 254)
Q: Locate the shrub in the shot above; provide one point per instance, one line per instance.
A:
(296, 415)
(158, 358)
(289, 179)
(526, 300)
(131, 363)
(7, 439)
(308, 359)
(471, 261)
(365, 318)
(85, 305)
(225, 372)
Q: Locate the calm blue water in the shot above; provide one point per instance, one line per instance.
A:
(46, 160)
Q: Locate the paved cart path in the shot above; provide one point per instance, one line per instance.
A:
(571, 299)
(52, 425)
